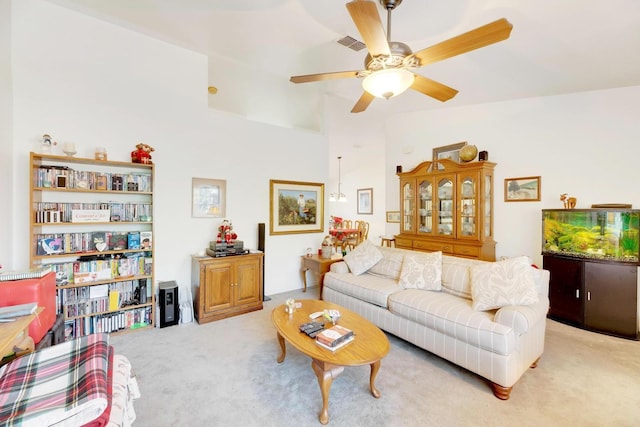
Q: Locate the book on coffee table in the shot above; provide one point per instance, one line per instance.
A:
(342, 344)
(334, 336)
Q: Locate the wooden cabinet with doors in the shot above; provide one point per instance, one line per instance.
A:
(594, 295)
(227, 286)
(447, 206)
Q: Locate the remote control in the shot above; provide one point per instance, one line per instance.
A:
(316, 315)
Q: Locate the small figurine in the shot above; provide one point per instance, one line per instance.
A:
(569, 202)
(142, 154)
(47, 143)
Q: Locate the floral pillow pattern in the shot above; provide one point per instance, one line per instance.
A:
(422, 271)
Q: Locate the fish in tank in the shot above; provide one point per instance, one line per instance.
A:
(605, 234)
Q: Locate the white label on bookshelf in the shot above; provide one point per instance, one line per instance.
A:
(90, 215)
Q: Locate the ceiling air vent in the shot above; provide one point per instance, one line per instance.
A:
(352, 43)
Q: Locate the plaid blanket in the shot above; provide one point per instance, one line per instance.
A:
(61, 385)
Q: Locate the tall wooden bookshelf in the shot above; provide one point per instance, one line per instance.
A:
(89, 223)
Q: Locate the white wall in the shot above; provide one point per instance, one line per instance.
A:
(6, 130)
(584, 144)
(360, 140)
(97, 84)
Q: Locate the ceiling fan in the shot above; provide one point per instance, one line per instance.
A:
(388, 64)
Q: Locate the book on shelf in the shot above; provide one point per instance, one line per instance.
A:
(334, 336)
(12, 311)
(32, 273)
(146, 239)
(118, 241)
(133, 240)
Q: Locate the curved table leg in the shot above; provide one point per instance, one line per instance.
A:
(304, 277)
(325, 372)
(375, 367)
(283, 349)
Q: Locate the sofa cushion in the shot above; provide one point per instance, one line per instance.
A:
(503, 283)
(365, 287)
(422, 271)
(455, 275)
(391, 263)
(363, 257)
(453, 316)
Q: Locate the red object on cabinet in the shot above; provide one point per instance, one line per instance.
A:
(41, 291)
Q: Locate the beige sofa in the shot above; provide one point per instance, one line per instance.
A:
(497, 344)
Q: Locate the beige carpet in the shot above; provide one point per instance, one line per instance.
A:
(225, 374)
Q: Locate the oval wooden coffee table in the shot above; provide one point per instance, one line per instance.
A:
(369, 346)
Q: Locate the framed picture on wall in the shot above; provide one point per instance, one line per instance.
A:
(208, 198)
(393, 216)
(525, 189)
(295, 207)
(448, 152)
(365, 201)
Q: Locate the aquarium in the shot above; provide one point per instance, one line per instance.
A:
(605, 234)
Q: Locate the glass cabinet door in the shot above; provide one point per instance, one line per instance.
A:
(488, 197)
(445, 207)
(425, 208)
(468, 217)
(408, 207)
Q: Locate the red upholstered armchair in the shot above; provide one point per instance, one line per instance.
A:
(41, 291)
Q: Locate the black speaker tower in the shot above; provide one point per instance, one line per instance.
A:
(261, 237)
(169, 307)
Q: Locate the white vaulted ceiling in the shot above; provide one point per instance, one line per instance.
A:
(254, 46)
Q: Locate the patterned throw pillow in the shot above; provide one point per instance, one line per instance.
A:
(363, 257)
(498, 284)
(422, 271)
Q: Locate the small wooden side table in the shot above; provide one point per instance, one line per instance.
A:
(318, 265)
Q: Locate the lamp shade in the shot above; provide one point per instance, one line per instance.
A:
(388, 83)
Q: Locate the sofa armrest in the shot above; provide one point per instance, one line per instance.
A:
(522, 317)
(339, 267)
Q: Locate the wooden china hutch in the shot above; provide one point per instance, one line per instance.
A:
(448, 206)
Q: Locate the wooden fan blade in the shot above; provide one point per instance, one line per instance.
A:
(432, 88)
(363, 102)
(365, 15)
(480, 37)
(323, 76)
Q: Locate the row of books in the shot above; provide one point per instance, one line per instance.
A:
(85, 300)
(94, 241)
(112, 322)
(64, 177)
(101, 269)
(53, 212)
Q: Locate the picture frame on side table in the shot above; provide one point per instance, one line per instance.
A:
(295, 207)
(365, 201)
(524, 189)
(208, 198)
(393, 216)
(450, 152)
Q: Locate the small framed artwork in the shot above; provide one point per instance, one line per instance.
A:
(449, 152)
(365, 201)
(393, 216)
(525, 189)
(208, 198)
(295, 207)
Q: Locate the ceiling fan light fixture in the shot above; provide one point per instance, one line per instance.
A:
(388, 82)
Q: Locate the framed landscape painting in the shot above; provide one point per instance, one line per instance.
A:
(295, 207)
(525, 189)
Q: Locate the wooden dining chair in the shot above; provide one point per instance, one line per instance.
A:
(358, 237)
(347, 223)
